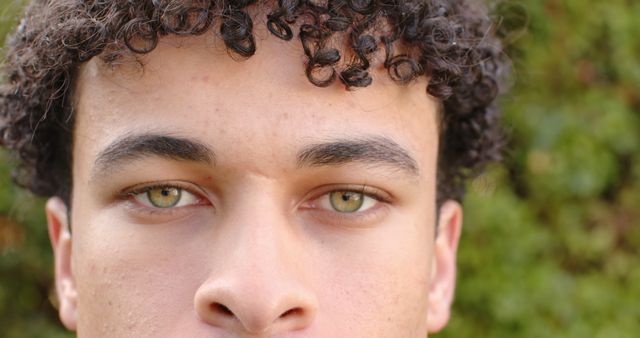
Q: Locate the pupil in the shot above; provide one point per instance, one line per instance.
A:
(346, 197)
(165, 192)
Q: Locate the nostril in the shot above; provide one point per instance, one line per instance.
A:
(292, 312)
(221, 309)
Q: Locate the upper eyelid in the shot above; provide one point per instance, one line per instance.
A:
(381, 196)
(375, 193)
(145, 187)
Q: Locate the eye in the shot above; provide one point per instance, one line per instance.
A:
(346, 201)
(165, 197)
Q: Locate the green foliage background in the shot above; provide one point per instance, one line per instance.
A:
(551, 238)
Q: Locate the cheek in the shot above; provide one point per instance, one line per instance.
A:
(380, 283)
(135, 277)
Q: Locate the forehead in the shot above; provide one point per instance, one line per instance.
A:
(191, 86)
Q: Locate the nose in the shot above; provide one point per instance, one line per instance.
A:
(255, 311)
(257, 284)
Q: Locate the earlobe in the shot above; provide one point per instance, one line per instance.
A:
(443, 272)
(60, 237)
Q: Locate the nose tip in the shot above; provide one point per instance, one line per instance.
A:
(258, 312)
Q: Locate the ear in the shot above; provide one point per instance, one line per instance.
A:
(443, 268)
(60, 237)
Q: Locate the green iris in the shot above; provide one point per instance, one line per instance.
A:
(346, 201)
(164, 197)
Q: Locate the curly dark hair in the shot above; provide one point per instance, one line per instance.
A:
(451, 42)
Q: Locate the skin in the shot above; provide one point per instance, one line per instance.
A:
(256, 251)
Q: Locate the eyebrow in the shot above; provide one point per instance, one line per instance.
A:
(141, 145)
(377, 150)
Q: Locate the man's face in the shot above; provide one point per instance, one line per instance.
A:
(216, 198)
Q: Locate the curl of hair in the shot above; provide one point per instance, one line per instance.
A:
(140, 36)
(364, 7)
(355, 76)
(403, 69)
(313, 72)
(278, 20)
(321, 63)
(237, 32)
(326, 57)
(279, 28)
(365, 45)
(184, 21)
(338, 23)
(451, 42)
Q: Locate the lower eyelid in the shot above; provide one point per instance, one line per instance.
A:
(356, 219)
(150, 214)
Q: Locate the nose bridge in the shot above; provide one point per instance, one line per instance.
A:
(258, 281)
(261, 235)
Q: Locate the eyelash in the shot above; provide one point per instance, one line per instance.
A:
(380, 198)
(367, 191)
